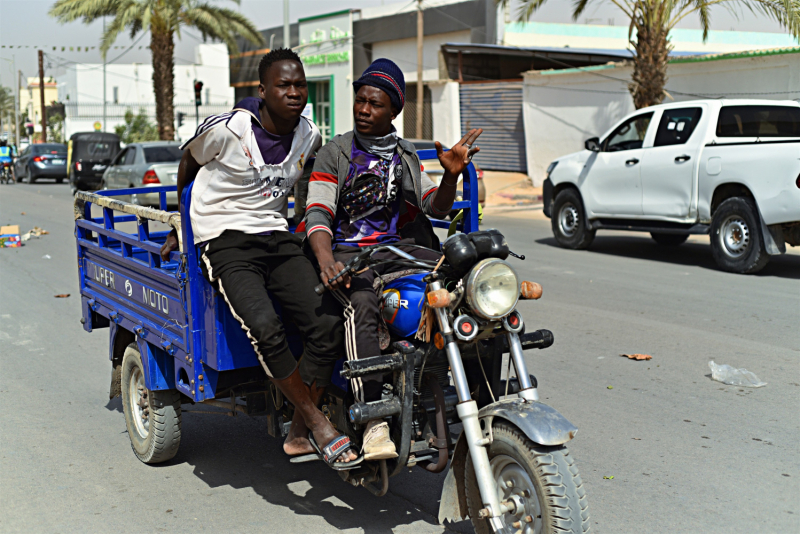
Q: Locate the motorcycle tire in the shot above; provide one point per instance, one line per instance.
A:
(153, 418)
(545, 479)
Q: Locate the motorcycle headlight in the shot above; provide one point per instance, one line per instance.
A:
(492, 288)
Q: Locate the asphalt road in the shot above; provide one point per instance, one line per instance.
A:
(687, 454)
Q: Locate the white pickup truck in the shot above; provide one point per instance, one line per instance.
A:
(730, 168)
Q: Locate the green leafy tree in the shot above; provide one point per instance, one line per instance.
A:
(651, 22)
(136, 128)
(164, 19)
(55, 128)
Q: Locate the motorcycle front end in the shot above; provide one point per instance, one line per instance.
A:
(511, 470)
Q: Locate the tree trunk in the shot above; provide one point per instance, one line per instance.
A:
(650, 65)
(162, 49)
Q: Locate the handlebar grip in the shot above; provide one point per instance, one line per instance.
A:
(319, 289)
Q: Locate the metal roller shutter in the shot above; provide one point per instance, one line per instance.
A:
(497, 108)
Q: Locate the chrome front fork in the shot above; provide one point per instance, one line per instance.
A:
(467, 410)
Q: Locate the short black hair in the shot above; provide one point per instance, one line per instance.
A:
(279, 54)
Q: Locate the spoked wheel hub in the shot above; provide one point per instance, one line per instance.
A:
(140, 403)
(516, 489)
(568, 219)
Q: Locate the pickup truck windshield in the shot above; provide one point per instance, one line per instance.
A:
(759, 121)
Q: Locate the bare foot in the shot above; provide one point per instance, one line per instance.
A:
(297, 442)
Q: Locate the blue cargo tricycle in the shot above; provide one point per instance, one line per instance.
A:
(173, 341)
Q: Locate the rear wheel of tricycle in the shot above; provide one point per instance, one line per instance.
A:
(542, 482)
(153, 418)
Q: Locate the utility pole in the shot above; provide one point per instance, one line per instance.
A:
(41, 96)
(104, 79)
(16, 104)
(420, 86)
(287, 39)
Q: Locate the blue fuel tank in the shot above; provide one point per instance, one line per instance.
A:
(401, 305)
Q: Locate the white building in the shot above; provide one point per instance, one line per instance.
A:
(563, 108)
(130, 86)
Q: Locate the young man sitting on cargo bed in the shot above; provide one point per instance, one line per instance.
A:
(368, 188)
(244, 163)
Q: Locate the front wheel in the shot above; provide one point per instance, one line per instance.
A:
(542, 482)
(567, 221)
(153, 418)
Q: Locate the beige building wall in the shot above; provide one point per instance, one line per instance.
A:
(29, 99)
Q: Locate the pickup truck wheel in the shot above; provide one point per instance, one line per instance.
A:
(567, 221)
(736, 241)
(669, 240)
(153, 418)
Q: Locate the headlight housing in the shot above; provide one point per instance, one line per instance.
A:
(492, 289)
(551, 167)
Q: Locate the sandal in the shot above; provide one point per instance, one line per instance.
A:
(333, 450)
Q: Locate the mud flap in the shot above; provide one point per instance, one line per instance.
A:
(453, 503)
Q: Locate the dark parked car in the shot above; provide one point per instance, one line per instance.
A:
(90, 154)
(45, 160)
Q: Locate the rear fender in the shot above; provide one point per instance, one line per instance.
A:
(538, 421)
(159, 368)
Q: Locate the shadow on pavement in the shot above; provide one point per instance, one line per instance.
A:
(115, 405)
(238, 452)
(695, 254)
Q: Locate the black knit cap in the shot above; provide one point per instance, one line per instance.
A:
(386, 76)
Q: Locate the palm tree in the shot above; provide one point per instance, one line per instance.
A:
(6, 105)
(163, 18)
(652, 20)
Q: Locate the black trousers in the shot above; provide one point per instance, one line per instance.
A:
(362, 309)
(249, 270)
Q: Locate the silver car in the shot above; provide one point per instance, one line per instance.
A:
(149, 164)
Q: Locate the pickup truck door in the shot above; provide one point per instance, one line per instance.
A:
(613, 183)
(669, 169)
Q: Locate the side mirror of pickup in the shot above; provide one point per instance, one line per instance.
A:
(592, 144)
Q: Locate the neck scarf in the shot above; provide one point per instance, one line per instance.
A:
(383, 147)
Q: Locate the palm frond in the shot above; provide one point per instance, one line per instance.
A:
(578, 7)
(88, 10)
(221, 23)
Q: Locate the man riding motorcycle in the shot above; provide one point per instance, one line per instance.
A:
(244, 163)
(368, 188)
(7, 154)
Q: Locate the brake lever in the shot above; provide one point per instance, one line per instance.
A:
(518, 256)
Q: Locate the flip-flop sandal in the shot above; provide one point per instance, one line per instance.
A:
(334, 450)
(303, 458)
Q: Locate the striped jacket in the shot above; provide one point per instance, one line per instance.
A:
(327, 183)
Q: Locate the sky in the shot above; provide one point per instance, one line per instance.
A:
(25, 23)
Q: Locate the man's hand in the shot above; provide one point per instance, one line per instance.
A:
(455, 160)
(329, 270)
(169, 245)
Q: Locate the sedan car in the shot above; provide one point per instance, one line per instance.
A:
(44, 160)
(147, 164)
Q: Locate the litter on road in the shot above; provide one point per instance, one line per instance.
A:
(46, 257)
(637, 356)
(734, 377)
(34, 232)
(62, 296)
